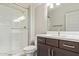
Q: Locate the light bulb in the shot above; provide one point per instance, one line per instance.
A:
(48, 4)
(51, 6)
(57, 3)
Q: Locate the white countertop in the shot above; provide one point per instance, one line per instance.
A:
(74, 38)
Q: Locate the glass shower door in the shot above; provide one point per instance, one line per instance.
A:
(13, 30)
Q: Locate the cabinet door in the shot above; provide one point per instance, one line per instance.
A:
(43, 50)
(62, 52)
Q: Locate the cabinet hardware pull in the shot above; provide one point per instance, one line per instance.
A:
(52, 52)
(49, 52)
(68, 46)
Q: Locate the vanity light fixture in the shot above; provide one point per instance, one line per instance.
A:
(50, 5)
(57, 3)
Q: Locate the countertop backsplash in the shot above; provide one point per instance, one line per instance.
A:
(63, 33)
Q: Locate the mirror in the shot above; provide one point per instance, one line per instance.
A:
(72, 21)
(63, 17)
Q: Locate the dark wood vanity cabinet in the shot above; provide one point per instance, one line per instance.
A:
(44, 47)
(43, 50)
(56, 47)
(63, 52)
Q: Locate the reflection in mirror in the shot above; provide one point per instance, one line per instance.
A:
(19, 19)
(53, 24)
(72, 21)
(63, 17)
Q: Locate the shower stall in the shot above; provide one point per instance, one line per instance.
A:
(13, 29)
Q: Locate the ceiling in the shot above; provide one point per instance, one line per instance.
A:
(26, 5)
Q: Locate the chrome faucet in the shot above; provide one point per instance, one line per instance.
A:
(59, 28)
(58, 33)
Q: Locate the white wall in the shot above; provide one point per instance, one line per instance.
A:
(31, 24)
(58, 14)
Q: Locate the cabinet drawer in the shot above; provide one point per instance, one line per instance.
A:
(69, 45)
(62, 52)
(52, 42)
(40, 40)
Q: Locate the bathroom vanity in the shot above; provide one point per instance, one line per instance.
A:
(57, 46)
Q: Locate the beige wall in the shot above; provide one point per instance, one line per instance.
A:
(40, 19)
